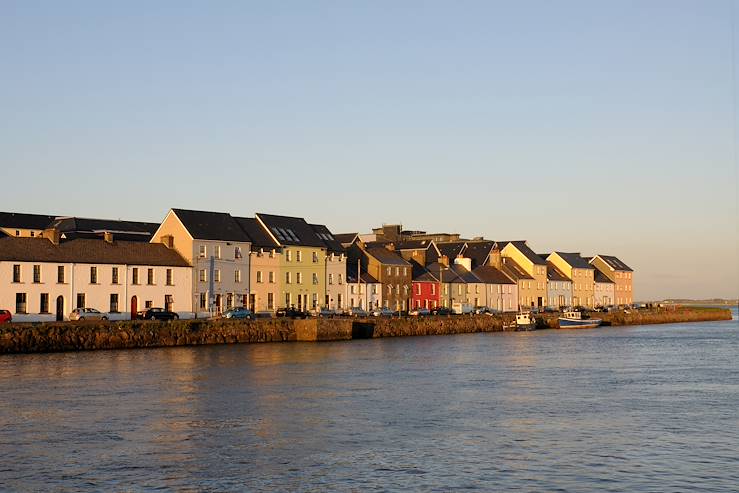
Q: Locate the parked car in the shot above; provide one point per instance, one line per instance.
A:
(382, 312)
(87, 314)
(239, 313)
(442, 310)
(357, 312)
(157, 314)
(419, 312)
(5, 316)
(325, 313)
(459, 308)
(290, 313)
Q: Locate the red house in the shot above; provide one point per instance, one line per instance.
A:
(425, 288)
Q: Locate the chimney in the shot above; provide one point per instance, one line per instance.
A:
(495, 259)
(168, 241)
(53, 235)
(444, 260)
(108, 237)
(465, 262)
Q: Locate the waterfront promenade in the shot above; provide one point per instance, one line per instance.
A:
(54, 337)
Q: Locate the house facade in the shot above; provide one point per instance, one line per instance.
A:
(534, 294)
(43, 279)
(336, 267)
(580, 272)
(618, 272)
(501, 291)
(426, 290)
(365, 294)
(390, 269)
(559, 288)
(265, 281)
(218, 250)
(605, 290)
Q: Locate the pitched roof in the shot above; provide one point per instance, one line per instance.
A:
(204, 225)
(574, 260)
(385, 256)
(554, 274)
(478, 251)
(443, 273)
(615, 263)
(600, 277)
(490, 275)
(525, 250)
(451, 249)
(346, 238)
(364, 277)
(256, 232)
(464, 274)
(291, 231)
(414, 245)
(513, 270)
(86, 251)
(25, 221)
(332, 245)
(422, 274)
(89, 227)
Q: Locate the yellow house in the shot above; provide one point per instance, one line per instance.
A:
(265, 281)
(580, 272)
(302, 264)
(534, 294)
(618, 272)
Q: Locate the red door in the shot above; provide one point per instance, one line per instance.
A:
(134, 307)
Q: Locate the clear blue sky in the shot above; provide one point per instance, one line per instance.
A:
(601, 127)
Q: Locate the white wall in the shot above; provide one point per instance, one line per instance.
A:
(365, 295)
(337, 267)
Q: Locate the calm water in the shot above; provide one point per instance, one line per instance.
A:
(624, 409)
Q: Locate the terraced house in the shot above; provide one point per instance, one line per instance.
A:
(535, 292)
(580, 272)
(336, 269)
(265, 281)
(392, 271)
(618, 272)
(218, 250)
(303, 261)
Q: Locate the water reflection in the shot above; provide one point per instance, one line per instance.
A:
(650, 408)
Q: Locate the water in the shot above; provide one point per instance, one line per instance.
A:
(615, 409)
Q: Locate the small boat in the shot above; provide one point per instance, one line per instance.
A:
(573, 320)
(524, 321)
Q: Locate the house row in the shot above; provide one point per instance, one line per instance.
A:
(198, 263)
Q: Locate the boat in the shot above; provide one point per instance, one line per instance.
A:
(574, 320)
(524, 321)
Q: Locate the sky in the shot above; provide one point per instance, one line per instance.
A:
(598, 127)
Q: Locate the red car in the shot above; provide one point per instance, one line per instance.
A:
(5, 316)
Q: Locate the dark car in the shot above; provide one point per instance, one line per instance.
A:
(5, 316)
(290, 313)
(442, 310)
(157, 314)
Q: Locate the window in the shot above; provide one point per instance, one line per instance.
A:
(202, 251)
(433, 289)
(237, 275)
(405, 271)
(114, 303)
(237, 252)
(217, 251)
(315, 257)
(330, 278)
(389, 271)
(135, 275)
(17, 233)
(314, 300)
(288, 277)
(20, 303)
(340, 279)
(203, 301)
(389, 289)
(36, 274)
(374, 289)
(44, 303)
(271, 277)
(217, 275)
(168, 280)
(477, 289)
(418, 288)
(148, 304)
(315, 278)
(229, 301)
(459, 289)
(288, 255)
(287, 300)
(80, 300)
(93, 275)
(351, 289)
(340, 300)
(16, 273)
(299, 277)
(259, 276)
(202, 276)
(60, 274)
(114, 275)
(299, 256)
(397, 271)
(150, 277)
(168, 302)
(270, 301)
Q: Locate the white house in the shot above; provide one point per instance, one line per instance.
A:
(43, 279)
(365, 294)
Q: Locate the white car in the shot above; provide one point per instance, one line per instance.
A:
(87, 314)
(382, 312)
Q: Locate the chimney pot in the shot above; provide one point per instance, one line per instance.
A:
(108, 237)
(52, 234)
(168, 241)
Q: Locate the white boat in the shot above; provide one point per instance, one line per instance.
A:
(573, 320)
(524, 321)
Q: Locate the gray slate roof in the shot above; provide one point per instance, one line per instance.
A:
(204, 225)
(451, 249)
(385, 256)
(600, 277)
(328, 238)
(525, 250)
(291, 231)
(575, 260)
(513, 270)
(615, 263)
(478, 252)
(257, 234)
(554, 274)
(25, 221)
(490, 275)
(86, 251)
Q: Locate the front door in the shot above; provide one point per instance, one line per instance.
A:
(253, 302)
(134, 307)
(539, 301)
(59, 308)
